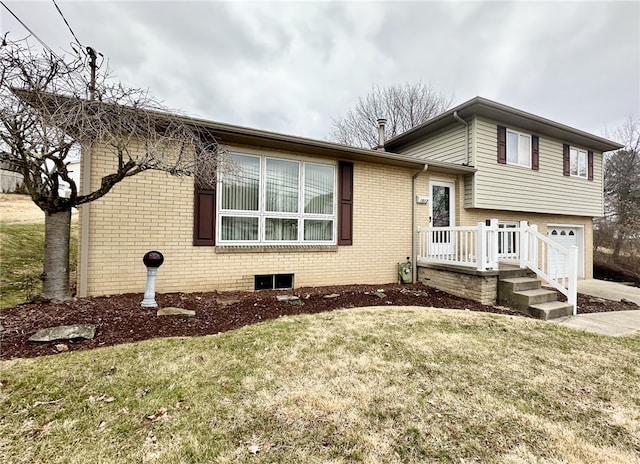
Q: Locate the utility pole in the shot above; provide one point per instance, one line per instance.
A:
(85, 183)
(92, 64)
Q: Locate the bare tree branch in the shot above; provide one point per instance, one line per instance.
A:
(404, 106)
(46, 113)
(620, 226)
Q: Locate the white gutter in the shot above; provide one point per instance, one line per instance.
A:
(466, 147)
(414, 266)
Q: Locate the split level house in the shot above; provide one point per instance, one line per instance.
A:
(463, 195)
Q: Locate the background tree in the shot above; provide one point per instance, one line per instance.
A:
(404, 106)
(620, 227)
(48, 109)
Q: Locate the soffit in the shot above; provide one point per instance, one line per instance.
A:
(505, 115)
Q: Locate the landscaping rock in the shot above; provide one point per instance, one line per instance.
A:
(60, 347)
(629, 302)
(380, 295)
(287, 297)
(64, 332)
(332, 296)
(228, 301)
(175, 312)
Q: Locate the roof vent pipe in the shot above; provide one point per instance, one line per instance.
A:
(381, 123)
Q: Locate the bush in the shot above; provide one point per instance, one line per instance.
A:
(623, 269)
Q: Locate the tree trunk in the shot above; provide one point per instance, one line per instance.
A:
(55, 278)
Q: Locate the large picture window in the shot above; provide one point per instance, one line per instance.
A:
(275, 200)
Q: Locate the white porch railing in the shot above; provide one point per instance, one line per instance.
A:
(483, 247)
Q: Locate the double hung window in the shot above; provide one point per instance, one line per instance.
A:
(518, 148)
(265, 200)
(578, 162)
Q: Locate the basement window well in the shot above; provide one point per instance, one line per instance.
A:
(273, 281)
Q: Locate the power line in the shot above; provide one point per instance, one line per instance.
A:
(67, 23)
(28, 29)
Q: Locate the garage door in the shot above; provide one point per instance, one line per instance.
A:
(566, 237)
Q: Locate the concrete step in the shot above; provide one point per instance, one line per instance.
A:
(550, 310)
(515, 272)
(519, 283)
(523, 299)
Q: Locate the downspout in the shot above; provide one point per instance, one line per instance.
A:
(414, 266)
(83, 260)
(466, 147)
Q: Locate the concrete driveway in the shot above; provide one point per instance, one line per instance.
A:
(609, 290)
(613, 323)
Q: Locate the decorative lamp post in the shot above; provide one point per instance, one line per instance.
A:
(153, 260)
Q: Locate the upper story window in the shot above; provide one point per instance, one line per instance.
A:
(578, 162)
(518, 148)
(265, 200)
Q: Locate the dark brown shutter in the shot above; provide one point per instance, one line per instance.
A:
(502, 145)
(345, 203)
(590, 164)
(566, 163)
(204, 227)
(535, 153)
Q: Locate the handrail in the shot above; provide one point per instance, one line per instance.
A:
(565, 281)
(483, 246)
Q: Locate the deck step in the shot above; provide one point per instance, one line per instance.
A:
(520, 283)
(523, 299)
(550, 310)
(520, 289)
(515, 272)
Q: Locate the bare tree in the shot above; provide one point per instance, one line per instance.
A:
(47, 110)
(621, 223)
(404, 106)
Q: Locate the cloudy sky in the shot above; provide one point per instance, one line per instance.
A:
(293, 66)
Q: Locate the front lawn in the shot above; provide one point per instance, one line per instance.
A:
(392, 385)
(22, 248)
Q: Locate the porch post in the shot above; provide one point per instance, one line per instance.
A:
(494, 236)
(481, 247)
(572, 294)
(524, 244)
(533, 245)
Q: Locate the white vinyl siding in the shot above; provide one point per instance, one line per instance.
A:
(446, 145)
(507, 187)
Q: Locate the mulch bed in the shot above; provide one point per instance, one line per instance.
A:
(120, 319)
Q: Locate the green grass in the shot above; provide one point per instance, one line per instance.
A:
(392, 385)
(21, 258)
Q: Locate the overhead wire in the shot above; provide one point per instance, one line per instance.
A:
(67, 23)
(29, 29)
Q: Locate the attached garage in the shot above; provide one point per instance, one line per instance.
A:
(566, 236)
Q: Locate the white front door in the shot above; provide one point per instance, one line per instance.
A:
(442, 214)
(565, 236)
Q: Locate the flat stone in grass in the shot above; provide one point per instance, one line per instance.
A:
(175, 312)
(64, 332)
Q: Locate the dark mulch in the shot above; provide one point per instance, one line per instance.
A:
(120, 319)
